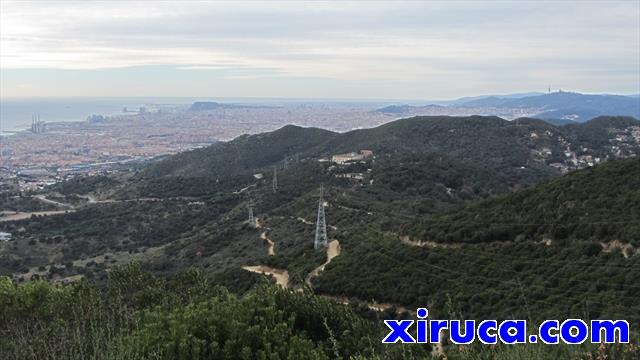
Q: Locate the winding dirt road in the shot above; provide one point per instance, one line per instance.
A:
(271, 249)
(333, 250)
(53, 202)
(281, 276)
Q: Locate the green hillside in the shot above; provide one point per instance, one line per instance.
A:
(489, 141)
(596, 204)
(241, 155)
(597, 132)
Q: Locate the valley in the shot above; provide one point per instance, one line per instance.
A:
(452, 213)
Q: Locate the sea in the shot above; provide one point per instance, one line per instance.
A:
(16, 113)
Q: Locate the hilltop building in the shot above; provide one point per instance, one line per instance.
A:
(352, 156)
(353, 176)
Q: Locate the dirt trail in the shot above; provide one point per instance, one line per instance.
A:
(431, 244)
(627, 250)
(245, 189)
(281, 276)
(271, 249)
(333, 250)
(15, 216)
(92, 199)
(53, 202)
(371, 305)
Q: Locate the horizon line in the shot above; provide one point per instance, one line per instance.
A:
(347, 99)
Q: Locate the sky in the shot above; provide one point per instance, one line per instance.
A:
(338, 49)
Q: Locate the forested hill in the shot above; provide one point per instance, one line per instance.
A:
(491, 141)
(597, 132)
(245, 153)
(595, 204)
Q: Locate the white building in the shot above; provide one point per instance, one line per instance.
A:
(352, 156)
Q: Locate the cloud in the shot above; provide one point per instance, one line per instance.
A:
(396, 42)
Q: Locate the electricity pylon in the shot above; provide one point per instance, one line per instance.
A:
(252, 219)
(321, 225)
(275, 179)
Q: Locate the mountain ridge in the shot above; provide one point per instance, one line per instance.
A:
(475, 138)
(558, 106)
(562, 105)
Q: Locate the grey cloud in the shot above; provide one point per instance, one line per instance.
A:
(395, 42)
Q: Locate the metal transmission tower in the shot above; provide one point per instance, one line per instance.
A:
(252, 219)
(275, 179)
(321, 225)
(285, 163)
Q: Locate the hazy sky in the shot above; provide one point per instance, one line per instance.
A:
(413, 50)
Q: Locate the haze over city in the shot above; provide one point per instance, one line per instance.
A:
(392, 50)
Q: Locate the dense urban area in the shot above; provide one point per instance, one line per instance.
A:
(50, 152)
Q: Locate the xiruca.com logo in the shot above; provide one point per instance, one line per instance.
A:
(570, 331)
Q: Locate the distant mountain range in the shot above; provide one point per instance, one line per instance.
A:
(467, 99)
(212, 105)
(204, 105)
(558, 107)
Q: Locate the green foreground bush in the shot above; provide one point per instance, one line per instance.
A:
(139, 316)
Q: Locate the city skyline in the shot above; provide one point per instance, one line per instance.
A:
(355, 50)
